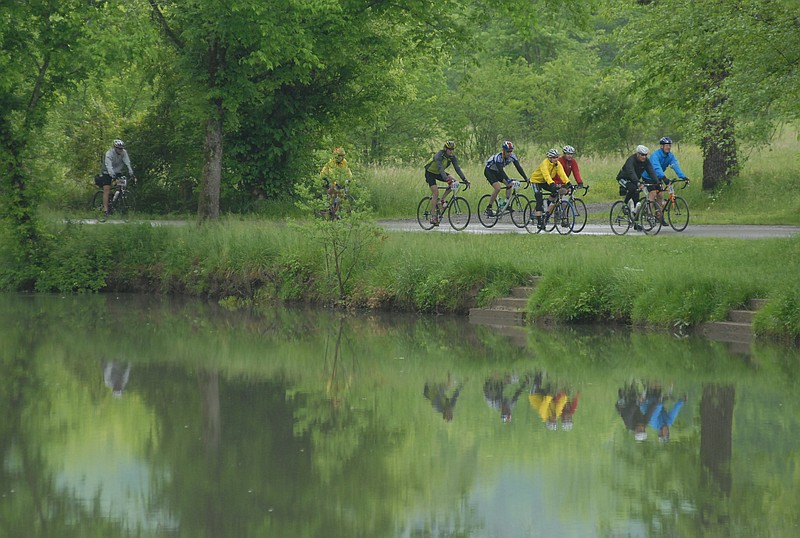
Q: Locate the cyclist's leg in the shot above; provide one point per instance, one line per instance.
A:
(496, 180)
(430, 179)
(537, 194)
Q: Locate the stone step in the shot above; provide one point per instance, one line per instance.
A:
(510, 303)
(727, 331)
(741, 316)
(496, 316)
(522, 292)
(756, 304)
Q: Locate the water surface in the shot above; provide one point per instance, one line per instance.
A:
(141, 416)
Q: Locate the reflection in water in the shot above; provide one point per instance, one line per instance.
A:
(437, 393)
(293, 422)
(115, 376)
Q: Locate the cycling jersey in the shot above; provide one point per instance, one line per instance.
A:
(661, 160)
(336, 170)
(633, 169)
(548, 173)
(440, 162)
(570, 168)
(114, 164)
(497, 163)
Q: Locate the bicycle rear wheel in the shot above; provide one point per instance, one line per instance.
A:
(516, 209)
(650, 219)
(678, 214)
(618, 218)
(564, 217)
(531, 223)
(581, 214)
(483, 205)
(458, 213)
(424, 214)
(97, 204)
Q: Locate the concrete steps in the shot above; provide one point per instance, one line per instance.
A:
(737, 330)
(506, 311)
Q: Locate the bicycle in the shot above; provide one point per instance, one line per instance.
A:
(558, 214)
(339, 198)
(648, 217)
(675, 207)
(456, 207)
(581, 213)
(514, 207)
(120, 199)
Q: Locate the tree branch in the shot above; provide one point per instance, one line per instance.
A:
(159, 16)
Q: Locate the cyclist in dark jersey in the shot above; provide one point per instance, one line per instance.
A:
(496, 175)
(436, 170)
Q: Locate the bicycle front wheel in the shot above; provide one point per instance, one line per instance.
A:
(483, 206)
(651, 218)
(678, 214)
(581, 214)
(564, 217)
(516, 209)
(126, 203)
(458, 213)
(424, 214)
(618, 218)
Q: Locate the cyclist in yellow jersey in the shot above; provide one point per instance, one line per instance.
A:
(335, 174)
(543, 178)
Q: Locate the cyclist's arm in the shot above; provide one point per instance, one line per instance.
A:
(519, 169)
(439, 160)
(576, 172)
(127, 160)
(562, 175)
(457, 168)
(673, 162)
(648, 166)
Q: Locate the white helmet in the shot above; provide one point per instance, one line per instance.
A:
(568, 149)
(552, 153)
(119, 143)
(642, 150)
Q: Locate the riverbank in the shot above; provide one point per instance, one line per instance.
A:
(658, 282)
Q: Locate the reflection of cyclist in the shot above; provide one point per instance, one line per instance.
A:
(435, 171)
(114, 164)
(660, 417)
(493, 389)
(335, 174)
(544, 178)
(437, 394)
(629, 178)
(629, 399)
(496, 175)
(115, 376)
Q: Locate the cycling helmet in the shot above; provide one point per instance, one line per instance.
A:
(449, 145)
(552, 153)
(339, 151)
(569, 149)
(508, 146)
(642, 150)
(665, 140)
(119, 144)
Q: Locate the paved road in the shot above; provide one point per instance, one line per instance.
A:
(694, 230)
(475, 227)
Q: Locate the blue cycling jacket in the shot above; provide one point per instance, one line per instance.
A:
(661, 161)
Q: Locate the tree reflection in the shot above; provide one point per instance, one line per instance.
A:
(716, 442)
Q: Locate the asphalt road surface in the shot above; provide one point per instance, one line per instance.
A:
(693, 230)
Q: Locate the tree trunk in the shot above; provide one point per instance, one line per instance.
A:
(720, 160)
(208, 204)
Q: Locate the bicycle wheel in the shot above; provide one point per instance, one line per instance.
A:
(126, 203)
(458, 213)
(549, 217)
(564, 217)
(97, 204)
(531, 224)
(581, 214)
(650, 218)
(678, 214)
(483, 205)
(618, 218)
(424, 213)
(516, 209)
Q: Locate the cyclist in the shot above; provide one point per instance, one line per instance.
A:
(569, 164)
(629, 178)
(549, 176)
(436, 170)
(662, 159)
(114, 164)
(496, 175)
(334, 174)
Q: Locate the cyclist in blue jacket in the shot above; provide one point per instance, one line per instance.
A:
(662, 159)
